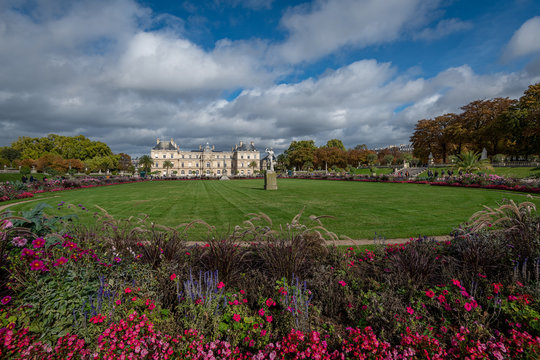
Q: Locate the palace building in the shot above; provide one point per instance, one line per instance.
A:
(169, 160)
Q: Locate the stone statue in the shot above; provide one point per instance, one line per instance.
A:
(270, 153)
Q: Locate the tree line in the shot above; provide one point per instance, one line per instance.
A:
(62, 154)
(305, 155)
(503, 126)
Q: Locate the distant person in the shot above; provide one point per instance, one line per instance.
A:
(32, 179)
(44, 179)
(24, 179)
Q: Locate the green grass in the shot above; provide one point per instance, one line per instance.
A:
(18, 177)
(378, 171)
(360, 209)
(507, 172)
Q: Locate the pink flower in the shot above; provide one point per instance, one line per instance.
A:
(496, 287)
(36, 265)
(134, 298)
(127, 290)
(261, 312)
(19, 241)
(236, 317)
(456, 282)
(468, 306)
(117, 259)
(410, 310)
(269, 318)
(430, 293)
(270, 302)
(242, 292)
(342, 283)
(118, 302)
(173, 276)
(38, 243)
(220, 285)
(5, 300)
(263, 332)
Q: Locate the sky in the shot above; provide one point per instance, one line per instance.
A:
(127, 72)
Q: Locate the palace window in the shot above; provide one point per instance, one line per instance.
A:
(157, 164)
(172, 156)
(182, 164)
(164, 156)
(207, 164)
(218, 172)
(248, 156)
(182, 172)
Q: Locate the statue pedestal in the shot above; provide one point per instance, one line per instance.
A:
(270, 180)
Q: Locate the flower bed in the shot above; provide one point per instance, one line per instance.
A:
(123, 289)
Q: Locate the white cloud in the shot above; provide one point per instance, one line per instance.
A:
(525, 40)
(331, 24)
(160, 62)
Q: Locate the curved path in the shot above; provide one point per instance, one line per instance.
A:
(3, 207)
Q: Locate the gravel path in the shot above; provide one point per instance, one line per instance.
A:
(3, 207)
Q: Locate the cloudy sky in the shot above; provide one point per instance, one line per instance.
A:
(365, 71)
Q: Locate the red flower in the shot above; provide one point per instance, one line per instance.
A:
(270, 302)
(269, 318)
(127, 290)
(236, 317)
(220, 285)
(173, 276)
(410, 310)
(430, 293)
(468, 306)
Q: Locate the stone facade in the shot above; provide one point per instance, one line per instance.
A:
(206, 161)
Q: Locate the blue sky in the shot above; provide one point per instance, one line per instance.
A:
(365, 71)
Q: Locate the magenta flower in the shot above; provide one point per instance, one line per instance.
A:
(173, 276)
(261, 312)
(236, 317)
(342, 283)
(27, 252)
(430, 293)
(468, 306)
(38, 243)
(36, 265)
(410, 310)
(269, 318)
(220, 285)
(5, 300)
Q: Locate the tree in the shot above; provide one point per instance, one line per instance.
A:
(253, 165)
(483, 124)
(469, 161)
(371, 158)
(10, 154)
(300, 152)
(124, 162)
(388, 159)
(522, 122)
(145, 163)
(167, 164)
(335, 143)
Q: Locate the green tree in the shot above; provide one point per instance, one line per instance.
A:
(300, 152)
(469, 161)
(253, 165)
(335, 143)
(10, 154)
(145, 163)
(167, 164)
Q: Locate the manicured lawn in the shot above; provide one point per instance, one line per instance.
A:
(18, 177)
(360, 209)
